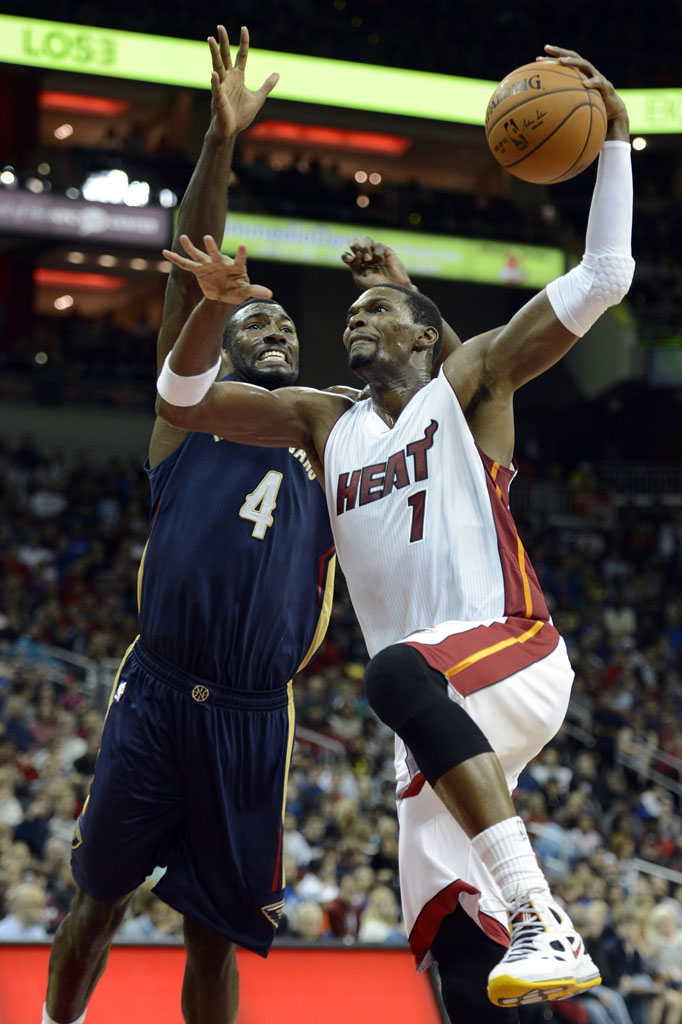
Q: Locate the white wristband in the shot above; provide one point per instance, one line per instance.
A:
(176, 389)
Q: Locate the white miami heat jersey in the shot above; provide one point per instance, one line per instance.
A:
(421, 521)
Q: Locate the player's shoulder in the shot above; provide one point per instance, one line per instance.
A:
(355, 394)
(471, 353)
(316, 404)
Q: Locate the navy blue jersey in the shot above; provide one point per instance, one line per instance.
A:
(236, 581)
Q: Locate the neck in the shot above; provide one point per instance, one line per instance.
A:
(389, 398)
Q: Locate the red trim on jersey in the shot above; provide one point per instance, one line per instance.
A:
(443, 903)
(415, 785)
(322, 566)
(522, 593)
(484, 655)
(156, 512)
(276, 879)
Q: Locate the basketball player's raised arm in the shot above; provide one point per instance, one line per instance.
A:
(546, 327)
(203, 207)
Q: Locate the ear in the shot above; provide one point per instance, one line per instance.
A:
(426, 338)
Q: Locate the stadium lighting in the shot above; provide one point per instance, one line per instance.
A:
(315, 80)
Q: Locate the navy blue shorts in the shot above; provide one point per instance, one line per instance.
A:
(192, 776)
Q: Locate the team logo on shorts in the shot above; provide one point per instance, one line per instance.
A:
(120, 690)
(273, 912)
(200, 694)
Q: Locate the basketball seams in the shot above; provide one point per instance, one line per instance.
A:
(540, 144)
(580, 90)
(569, 171)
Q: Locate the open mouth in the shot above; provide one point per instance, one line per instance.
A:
(274, 357)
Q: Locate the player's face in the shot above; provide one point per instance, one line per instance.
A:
(379, 330)
(264, 346)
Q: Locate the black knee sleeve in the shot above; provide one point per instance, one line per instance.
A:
(412, 698)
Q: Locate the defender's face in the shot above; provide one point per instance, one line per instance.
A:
(264, 346)
(380, 328)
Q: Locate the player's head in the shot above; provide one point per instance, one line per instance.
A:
(261, 342)
(390, 323)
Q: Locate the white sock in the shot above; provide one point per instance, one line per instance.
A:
(48, 1020)
(505, 850)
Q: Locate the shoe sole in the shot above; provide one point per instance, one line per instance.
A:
(506, 990)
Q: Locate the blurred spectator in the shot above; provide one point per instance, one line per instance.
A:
(309, 922)
(663, 939)
(600, 942)
(24, 922)
(546, 768)
(10, 808)
(586, 837)
(295, 845)
(343, 911)
(380, 920)
(636, 984)
(151, 920)
(33, 828)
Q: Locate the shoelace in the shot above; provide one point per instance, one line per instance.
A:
(524, 929)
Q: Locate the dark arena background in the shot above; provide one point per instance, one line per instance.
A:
(98, 139)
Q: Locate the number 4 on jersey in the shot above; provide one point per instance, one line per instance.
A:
(260, 503)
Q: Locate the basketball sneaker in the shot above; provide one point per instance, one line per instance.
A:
(546, 958)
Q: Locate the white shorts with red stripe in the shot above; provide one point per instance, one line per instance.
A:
(514, 678)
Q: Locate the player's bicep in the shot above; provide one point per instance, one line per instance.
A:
(532, 341)
(245, 413)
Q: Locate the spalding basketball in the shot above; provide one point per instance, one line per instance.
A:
(543, 125)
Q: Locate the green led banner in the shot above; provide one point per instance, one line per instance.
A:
(183, 62)
(457, 259)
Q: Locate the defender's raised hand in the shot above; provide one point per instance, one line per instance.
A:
(373, 263)
(220, 278)
(233, 105)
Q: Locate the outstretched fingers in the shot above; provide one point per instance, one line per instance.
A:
(573, 59)
(243, 51)
(225, 53)
(197, 254)
(267, 86)
(180, 261)
(213, 249)
(220, 52)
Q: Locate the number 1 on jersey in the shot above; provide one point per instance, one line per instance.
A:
(260, 503)
(417, 503)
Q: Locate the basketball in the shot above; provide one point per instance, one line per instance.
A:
(543, 125)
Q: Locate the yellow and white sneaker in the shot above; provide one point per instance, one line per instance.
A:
(546, 958)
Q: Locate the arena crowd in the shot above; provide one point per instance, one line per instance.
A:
(602, 802)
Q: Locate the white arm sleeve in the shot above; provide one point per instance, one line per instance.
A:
(604, 274)
(176, 389)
